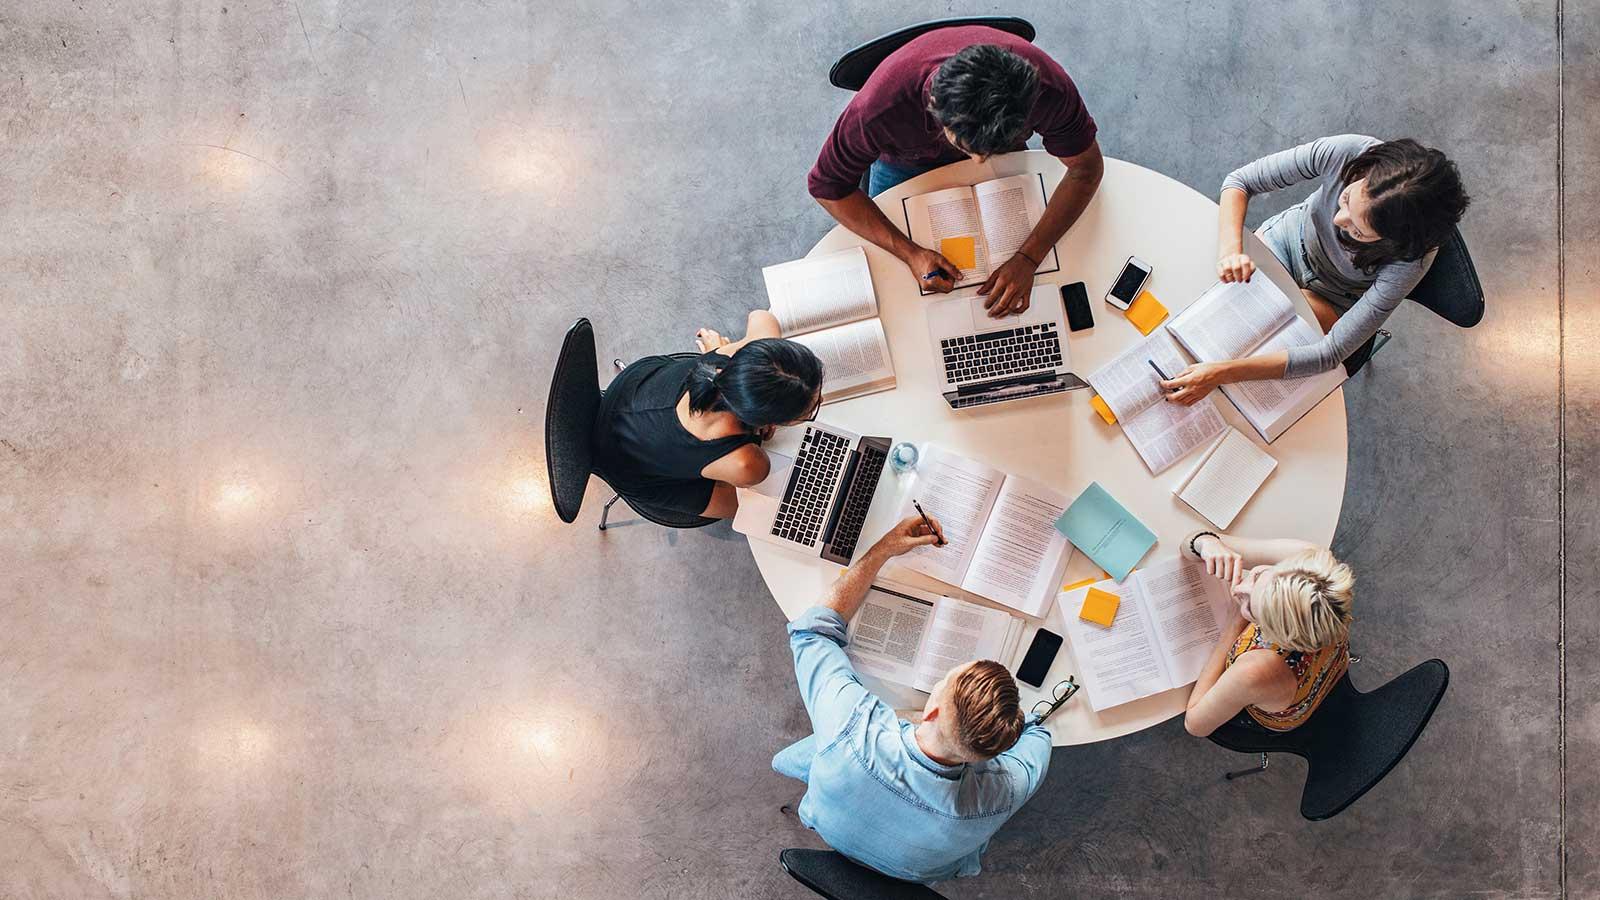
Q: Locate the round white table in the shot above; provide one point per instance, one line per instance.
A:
(1058, 440)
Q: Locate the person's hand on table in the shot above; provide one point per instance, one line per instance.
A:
(1221, 562)
(1008, 288)
(921, 261)
(1235, 267)
(1193, 383)
(909, 534)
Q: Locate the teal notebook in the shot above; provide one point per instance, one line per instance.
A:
(1099, 526)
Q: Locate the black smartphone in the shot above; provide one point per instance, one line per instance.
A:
(1075, 298)
(1041, 653)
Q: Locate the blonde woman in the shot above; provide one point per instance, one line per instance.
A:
(1288, 642)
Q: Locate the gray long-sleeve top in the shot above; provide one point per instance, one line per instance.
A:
(1324, 158)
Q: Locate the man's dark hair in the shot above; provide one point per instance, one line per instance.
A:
(983, 95)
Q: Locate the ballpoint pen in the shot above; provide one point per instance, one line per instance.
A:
(1164, 376)
(934, 531)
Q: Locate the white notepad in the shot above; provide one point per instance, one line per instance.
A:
(1226, 477)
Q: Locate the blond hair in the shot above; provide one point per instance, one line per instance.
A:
(1305, 603)
(988, 711)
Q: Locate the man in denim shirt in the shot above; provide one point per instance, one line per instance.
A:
(915, 801)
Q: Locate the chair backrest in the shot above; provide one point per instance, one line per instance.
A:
(1451, 288)
(569, 420)
(831, 875)
(1354, 739)
(855, 67)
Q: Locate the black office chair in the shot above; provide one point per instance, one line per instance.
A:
(830, 874)
(855, 67)
(1353, 739)
(569, 418)
(1450, 289)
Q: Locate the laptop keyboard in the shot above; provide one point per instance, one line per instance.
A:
(804, 509)
(853, 516)
(998, 354)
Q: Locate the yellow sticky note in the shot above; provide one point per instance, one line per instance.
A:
(1078, 584)
(1104, 410)
(1146, 312)
(961, 251)
(1099, 607)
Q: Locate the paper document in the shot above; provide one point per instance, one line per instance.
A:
(828, 304)
(1225, 478)
(913, 637)
(1161, 431)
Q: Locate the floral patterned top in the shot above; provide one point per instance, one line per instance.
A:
(1315, 675)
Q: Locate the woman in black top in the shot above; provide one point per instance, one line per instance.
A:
(681, 434)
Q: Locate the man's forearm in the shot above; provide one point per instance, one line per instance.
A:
(1071, 198)
(847, 593)
(858, 213)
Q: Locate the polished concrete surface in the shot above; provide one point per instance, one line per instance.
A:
(285, 609)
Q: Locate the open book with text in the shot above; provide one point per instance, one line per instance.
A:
(1000, 537)
(1228, 474)
(1170, 617)
(913, 638)
(978, 228)
(828, 304)
(1162, 432)
(1248, 318)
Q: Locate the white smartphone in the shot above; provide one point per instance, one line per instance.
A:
(1129, 283)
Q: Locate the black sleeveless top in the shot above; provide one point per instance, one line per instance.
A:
(642, 448)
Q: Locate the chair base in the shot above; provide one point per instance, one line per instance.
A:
(606, 512)
(1262, 767)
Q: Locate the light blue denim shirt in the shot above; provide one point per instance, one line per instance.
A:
(872, 793)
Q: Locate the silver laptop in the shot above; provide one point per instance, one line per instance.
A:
(985, 360)
(817, 501)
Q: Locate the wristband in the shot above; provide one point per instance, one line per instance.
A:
(1195, 550)
(1028, 258)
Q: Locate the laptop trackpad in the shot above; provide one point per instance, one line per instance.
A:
(778, 478)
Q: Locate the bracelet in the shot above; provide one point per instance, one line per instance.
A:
(1198, 536)
(1027, 257)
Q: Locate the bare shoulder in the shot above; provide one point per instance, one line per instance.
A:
(743, 467)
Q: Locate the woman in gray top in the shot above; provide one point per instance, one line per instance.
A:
(1356, 246)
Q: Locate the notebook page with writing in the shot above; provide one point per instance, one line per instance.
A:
(959, 633)
(1122, 663)
(1020, 556)
(1226, 478)
(832, 289)
(950, 213)
(855, 358)
(1231, 320)
(1188, 608)
(1009, 209)
(886, 633)
(959, 492)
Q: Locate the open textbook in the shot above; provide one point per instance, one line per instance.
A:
(1162, 432)
(1247, 318)
(913, 638)
(979, 227)
(1169, 620)
(827, 303)
(1228, 474)
(999, 529)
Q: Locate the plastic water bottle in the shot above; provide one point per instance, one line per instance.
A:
(903, 457)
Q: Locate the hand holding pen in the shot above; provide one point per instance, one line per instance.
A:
(934, 272)
(932, 528)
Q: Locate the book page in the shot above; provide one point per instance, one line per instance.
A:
(1122, 663)
(1188, 608)
(1009, 209)
(1167, 432)
(1020, 554)
(959, 492)
(855, 358)
(953, 212)
(1230, 320)
(960, 632)
(808, 294)
(886, 633)
(1128, 384)
(1272, 406)
(1227, 478)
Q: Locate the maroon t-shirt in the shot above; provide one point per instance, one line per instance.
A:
(888, 118)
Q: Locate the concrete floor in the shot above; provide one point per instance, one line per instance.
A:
(285, 610)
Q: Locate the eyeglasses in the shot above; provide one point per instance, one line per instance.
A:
(1061, 693)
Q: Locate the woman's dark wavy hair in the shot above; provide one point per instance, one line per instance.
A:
(768, 381)
(983, 95)
(1416, 199)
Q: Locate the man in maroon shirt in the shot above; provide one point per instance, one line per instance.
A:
(945, 95)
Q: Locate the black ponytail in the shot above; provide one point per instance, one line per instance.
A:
(769, 381)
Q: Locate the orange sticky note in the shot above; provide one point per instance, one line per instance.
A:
(1099, 607)
(1104, 410)
(961, 251)
(1146, 312)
